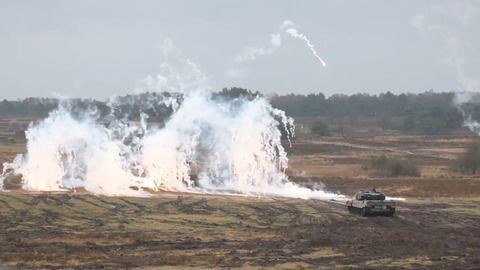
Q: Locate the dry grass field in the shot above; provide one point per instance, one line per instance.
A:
(183, 230)
(437, 227)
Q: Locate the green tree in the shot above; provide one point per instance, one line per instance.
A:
(392, 166)
(469, 161)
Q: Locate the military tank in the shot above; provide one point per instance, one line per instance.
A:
(371, 202)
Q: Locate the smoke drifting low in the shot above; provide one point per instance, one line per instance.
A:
(209, 144)
(464, 100)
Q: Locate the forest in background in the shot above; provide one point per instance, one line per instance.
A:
(424, 113)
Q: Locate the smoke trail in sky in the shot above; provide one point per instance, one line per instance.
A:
(288, 27)
(294, 33)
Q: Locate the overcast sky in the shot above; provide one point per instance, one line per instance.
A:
(103, 48)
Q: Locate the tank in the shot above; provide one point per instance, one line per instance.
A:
(371, 202)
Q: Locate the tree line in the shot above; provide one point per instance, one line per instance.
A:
(425, 113)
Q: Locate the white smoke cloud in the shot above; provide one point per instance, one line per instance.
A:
(460, 99)
(252, 53)
(65, 152)
(275, 40)
(455, 25)
(176, 73)
(286, 24)
(208, 145)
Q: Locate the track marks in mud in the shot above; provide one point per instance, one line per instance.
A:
(39, 230)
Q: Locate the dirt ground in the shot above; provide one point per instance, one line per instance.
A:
(170, 230)
(437, 227)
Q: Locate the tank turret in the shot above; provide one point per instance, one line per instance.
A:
(371, 202)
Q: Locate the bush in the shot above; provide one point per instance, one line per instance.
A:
(469, 161)
(377, 162)
(392, 166)
(320, 128)
(397, 167)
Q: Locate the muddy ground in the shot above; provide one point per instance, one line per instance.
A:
(437, 227)
(58, 231)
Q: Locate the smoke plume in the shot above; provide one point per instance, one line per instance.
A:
(208, 143)
(463, 100)
(176, 73)
(294, 33)
(252, 53)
